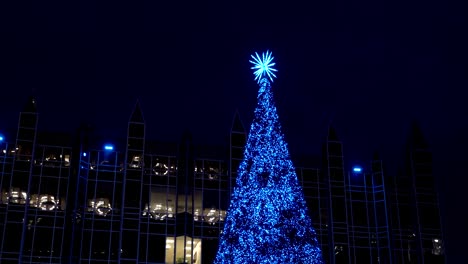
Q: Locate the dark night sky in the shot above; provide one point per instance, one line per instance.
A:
(370, 67)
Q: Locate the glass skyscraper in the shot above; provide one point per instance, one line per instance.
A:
(83, 199)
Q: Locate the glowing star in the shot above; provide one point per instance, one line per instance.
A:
(263, 66)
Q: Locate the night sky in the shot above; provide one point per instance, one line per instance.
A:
(370, 68)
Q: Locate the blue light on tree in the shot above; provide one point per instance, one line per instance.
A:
(267, 220)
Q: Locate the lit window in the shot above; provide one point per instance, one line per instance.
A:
(437, 247)
(17, 196)
(162, 204)
(100, 206)
(135, 162)
(158, 212)
(4, 197)
(213, 173)
(183, 249)
(213, 215)
(339, 250)
(44, 202)
(160, 169)
(66, 160)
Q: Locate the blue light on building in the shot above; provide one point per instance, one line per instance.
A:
(357, 169)
(108, 147)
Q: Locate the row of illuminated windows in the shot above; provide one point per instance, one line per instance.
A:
(169, 167)
(164, 204)
(208, 215)
(44, 155)
(204, 207)
(44, 202)
(53, 160)
(161, 166)
(209, 169)
(158, 211)
(162, 169)
(165, 166)
(59, 157)
(434, 244)
(160, 249)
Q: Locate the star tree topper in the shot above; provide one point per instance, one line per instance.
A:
(263, 66)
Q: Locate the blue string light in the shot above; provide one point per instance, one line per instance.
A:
(267, 220)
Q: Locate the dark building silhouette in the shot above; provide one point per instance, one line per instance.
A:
(358, 229)
(34, 183)
(84, 199)
(415, 215)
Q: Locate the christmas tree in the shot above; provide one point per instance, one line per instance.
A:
(267, 220)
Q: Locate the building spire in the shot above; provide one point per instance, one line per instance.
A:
(332, 136)
(31, 105)
(137, 115)
(237, 125)
(417, 138)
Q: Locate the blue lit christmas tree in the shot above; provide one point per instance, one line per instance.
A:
(267, 220)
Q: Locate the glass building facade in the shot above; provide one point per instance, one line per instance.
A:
(357, 208)
(84, 200)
